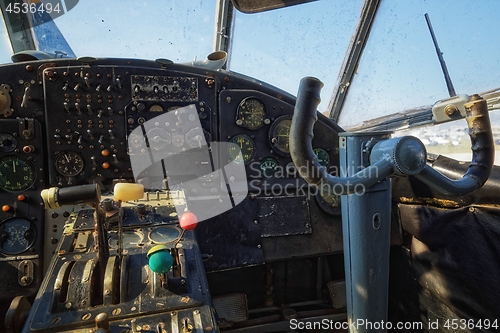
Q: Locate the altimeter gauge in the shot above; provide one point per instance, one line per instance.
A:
(164, 235)
(17, 174)
(69, 163)
(251, 113)
(269, 166)
(280, 135)
(323, 157)
(245, 145)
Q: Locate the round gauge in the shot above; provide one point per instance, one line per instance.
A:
(177, 139)
(247, 148)
(280, 135)
(195, 138)
(158, 138)
(129, 239)
(328, 202)
(7, 143)
(69, 163)
(16, 235)
(269, 166)
(163, 235)
(17, 174)
(136, 141)
(251, 113)
(323, 157)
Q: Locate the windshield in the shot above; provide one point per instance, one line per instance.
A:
(5, 48)
(278, 47)
(399, 68)
(283, 46)
(175, 30)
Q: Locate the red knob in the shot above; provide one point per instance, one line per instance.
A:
(188, 221)
(28, 149)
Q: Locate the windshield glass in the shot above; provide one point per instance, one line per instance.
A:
(278, 47)
(399, 68)
(283, 46)
(5, 48)
(175, 30)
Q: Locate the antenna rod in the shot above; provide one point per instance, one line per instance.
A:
(447, 78)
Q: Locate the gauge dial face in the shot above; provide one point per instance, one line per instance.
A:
(195, 138)
(328, 202)
(136, 141)
(177, 139)
(129, 239)
(158, 138)
(251, 113)
(16, 235)
(69, 163)
(17, 174)
(323, 157)
(246, 146)
(269, 166)
(163, 235)
(280, 135)
(7, 143)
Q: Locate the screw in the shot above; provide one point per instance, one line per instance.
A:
(450, 110)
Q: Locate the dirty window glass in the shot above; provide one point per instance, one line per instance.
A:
(452, 139)
(282, 46)
(176, 30)
(5, 47)
(399, 68)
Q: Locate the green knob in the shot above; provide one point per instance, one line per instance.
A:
(160, 259)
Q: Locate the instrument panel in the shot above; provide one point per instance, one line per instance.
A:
(69, 122)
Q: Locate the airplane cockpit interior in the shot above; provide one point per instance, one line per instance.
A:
(249, 166)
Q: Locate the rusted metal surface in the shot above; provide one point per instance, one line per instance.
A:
(483, 151)
(431, 202)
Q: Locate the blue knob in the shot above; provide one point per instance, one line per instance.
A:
(160, 259)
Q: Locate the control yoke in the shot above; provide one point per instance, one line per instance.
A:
(402, 156)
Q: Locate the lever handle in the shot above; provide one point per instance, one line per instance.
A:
(301, 151)
(483, 154)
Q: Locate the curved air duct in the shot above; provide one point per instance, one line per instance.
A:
(30, 55)
(214, 61)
